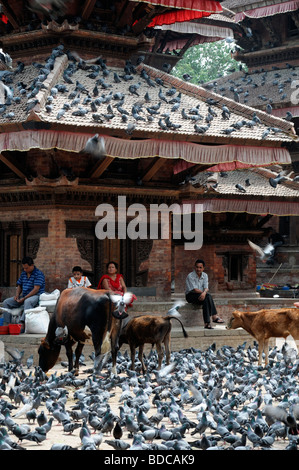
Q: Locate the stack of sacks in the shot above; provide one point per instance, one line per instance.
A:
(49, 300)
(37, 319)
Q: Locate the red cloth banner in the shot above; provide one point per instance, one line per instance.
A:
(4, 18)
(177, 16)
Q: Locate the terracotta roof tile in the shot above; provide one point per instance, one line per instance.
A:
(93, 103)
(257, 177)
(260, 86)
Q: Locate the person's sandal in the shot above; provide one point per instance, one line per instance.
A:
(208, 326)
(218, 321)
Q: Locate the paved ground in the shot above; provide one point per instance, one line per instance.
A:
(211, 374)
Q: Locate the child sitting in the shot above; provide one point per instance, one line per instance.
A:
(78, 280)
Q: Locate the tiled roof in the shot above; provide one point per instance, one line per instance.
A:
(185, 111)
(224, 183)
(259, 87)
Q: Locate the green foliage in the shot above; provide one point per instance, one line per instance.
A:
(207, 62)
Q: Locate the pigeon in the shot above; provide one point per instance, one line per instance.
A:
(277, 180)
(28, 405)
(240, 188)
(31, 104)
(117, 431)
(15, 354)
(130, 128)
(6, 59)
(162, 96)
(288, 116)
(31, 415)
(263, 253)
(201, 129)
(166, 67)
(118, 444)
(133, 89)
(21, 431)
(95, 146)
(29, 361)
(61, 334)
(173, 311)
(187, 77)
(41, 418)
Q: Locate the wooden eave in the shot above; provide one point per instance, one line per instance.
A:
(87, 8)
(138, 134)
(100, 167)
(22, 37)
(12, 164)
(10, 14)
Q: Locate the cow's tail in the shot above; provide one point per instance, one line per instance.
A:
(170, 317)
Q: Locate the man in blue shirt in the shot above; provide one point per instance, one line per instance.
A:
(30, 286)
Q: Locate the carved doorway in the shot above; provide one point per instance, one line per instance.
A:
(130, 255)
(18, 239)
(15, 255)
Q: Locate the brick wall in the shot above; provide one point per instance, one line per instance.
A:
(57, 254)
(159, 265)
(215, 267)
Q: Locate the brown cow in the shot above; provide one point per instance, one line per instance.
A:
(265, 324)
(148, 329)
(77, 309)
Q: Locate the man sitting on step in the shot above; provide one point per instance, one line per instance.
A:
(30, 286)
(197, 287)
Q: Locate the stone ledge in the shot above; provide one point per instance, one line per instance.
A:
(216, 331)
(198, 338)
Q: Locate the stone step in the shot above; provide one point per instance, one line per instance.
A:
(225, 294)
(191, 315)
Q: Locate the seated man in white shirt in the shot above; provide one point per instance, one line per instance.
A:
(197, 287)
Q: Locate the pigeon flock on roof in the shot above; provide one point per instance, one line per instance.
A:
(261, 88)
(135, 97)
(215, 399)
(249, 182)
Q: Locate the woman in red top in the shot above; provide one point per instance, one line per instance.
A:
(112, 281)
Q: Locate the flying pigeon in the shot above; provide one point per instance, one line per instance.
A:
(174, 310)
(277, 180)
(262, 252)
(95, 146)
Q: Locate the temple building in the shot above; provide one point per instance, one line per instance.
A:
(267, 42)
(95, 129)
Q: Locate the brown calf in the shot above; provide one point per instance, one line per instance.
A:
(265, 324)
(148, 329)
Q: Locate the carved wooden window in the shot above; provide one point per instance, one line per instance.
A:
(235, 264)
(293, 25)
(235, 267)
(15, 257)
(18, 239)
